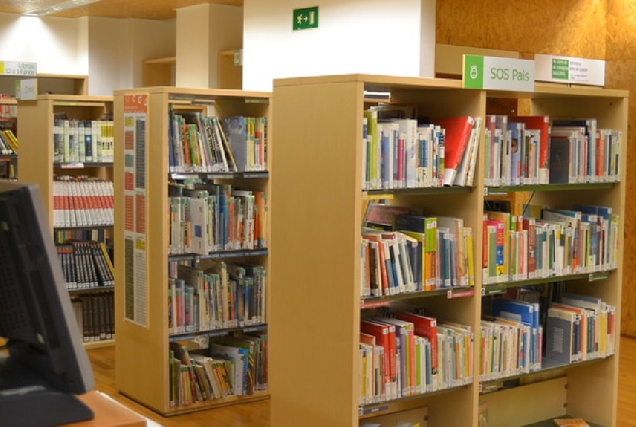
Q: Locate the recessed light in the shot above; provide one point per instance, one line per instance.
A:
(60, 6)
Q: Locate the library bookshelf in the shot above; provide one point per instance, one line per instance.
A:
(317, 215)
(38, 164)
(142, 305)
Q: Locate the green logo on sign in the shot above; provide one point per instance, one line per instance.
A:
(560, 69)
(473, 77)
(305, 18)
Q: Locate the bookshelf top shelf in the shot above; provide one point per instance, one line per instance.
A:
(195, 95)
(381, 83)
(76, 99)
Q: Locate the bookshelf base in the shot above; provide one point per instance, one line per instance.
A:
(218, 403)
(99, 344)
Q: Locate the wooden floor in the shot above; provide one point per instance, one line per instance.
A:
(256, 414)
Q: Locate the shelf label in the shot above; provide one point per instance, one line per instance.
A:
(565, 69)
(374, 304)
(460, 293)
(305, 18)
(238, 57)
(490, 72)
(26, 89)
(15, 68)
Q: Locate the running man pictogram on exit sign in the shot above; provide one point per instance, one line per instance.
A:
(305, 18)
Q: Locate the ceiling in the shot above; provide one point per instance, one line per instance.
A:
(141, 9)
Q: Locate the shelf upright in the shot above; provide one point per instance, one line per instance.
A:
(316, 235)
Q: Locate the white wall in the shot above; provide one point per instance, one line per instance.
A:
(109, 55)
(117, 48)
(202, 31)
(357, 36)
(152, 39)
(110, 51)
(53, 43)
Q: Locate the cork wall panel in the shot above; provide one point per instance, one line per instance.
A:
(564, 27)
(621, 73)
(621, 29)
(589, 29)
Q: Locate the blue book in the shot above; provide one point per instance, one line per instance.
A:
(526, 313)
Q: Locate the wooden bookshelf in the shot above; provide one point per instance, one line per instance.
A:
(36, 158)
(315, 256)
(58, 84)
(143, 336)
(230, 73)
(159, 71)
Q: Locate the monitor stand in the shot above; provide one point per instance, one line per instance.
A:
(26, 400)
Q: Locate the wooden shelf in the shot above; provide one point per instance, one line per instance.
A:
(143, 335)
(35, 160)
(315, 252)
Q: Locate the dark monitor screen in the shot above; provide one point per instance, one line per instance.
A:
(44, 359)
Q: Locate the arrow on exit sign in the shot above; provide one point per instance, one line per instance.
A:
(305, 18)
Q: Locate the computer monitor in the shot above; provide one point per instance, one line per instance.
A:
(43, 365)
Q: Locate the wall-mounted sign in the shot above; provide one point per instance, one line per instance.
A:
(14, 68)
(26, 89)
(564, 69)
(305, 18)
(491, 72)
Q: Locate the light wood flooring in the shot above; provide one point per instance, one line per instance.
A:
(256, 414)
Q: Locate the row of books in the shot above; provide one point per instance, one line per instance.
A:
(210, 144)
(95, 234)
(231, 366)
(415, 253)
(83, 141)
(85, 265)
(8, 111)
(220, 296)
(510, 340)
(408, 354)
(523, 150)
(517, 339)
(216, 217)
(402, 153)
(95, 314)
(583, 239)
(8, 142)
(82, 201)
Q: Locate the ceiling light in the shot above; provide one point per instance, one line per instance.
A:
(59, 7)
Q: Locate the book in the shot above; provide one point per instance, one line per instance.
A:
(542, 124)
(571, 422)
(457, 134)
(560, 334)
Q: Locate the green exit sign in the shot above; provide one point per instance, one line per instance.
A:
(305, 18)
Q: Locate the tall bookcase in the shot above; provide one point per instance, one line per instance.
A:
(37, 163)
(142, 249)
(316, 236)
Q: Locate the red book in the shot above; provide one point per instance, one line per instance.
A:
(385, 336)
(456, 136)
(541, 123)
(426, 327)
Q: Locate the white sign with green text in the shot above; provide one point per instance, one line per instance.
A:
(490, 72)
(565, 69)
